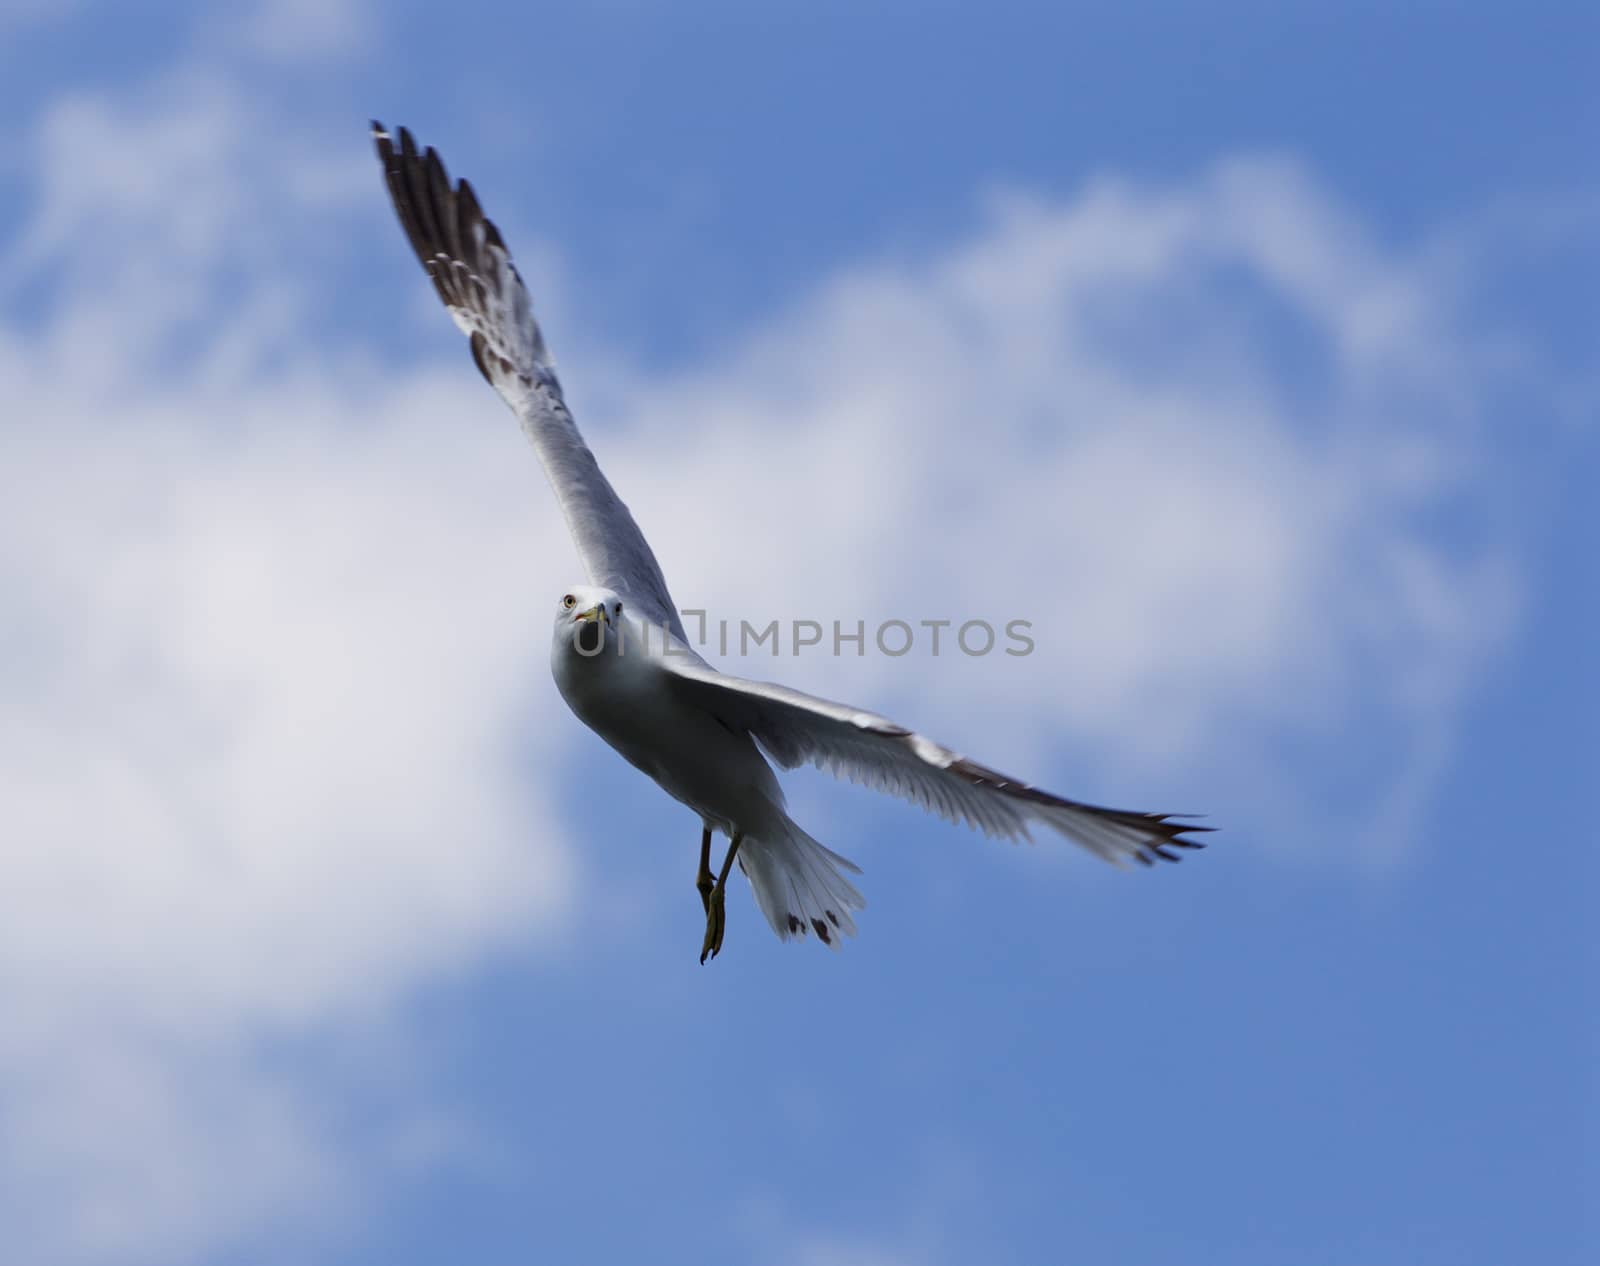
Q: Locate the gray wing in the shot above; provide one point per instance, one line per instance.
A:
(794, 728)
(473, 273)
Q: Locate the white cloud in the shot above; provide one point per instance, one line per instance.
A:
(278, 741)
(1097, 416)
(269, 696)
(837, 1251)
(918, 1204)
(116, 1149)
(307, 30)
(19, 15)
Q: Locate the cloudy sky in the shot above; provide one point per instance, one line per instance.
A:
(1247, 352)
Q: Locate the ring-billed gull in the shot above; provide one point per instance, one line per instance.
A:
(623, 664)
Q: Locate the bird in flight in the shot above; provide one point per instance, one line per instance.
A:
(623, 664)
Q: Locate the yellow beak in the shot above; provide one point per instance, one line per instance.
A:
(598, 613)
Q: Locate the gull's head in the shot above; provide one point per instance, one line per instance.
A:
(586, 616)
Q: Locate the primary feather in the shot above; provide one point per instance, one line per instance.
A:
(480, 286)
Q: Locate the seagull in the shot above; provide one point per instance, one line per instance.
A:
(623, 664)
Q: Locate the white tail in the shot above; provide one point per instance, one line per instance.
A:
(800, 886)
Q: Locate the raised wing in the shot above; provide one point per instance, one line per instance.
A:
(473, 273)
(794, 728)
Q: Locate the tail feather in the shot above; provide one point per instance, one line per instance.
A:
(800, 886)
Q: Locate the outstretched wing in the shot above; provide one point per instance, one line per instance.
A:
(794, 728)
(473, 273)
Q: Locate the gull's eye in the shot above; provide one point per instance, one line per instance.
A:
(617, 610)
(569, 602)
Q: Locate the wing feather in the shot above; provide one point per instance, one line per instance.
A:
(471, 269)
(795, 728)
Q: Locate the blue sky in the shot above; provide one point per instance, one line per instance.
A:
(1246, 350)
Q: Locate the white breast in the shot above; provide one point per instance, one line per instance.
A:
(627, 700)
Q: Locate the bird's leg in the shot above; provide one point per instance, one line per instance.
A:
(703, 880)
(717, 906)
